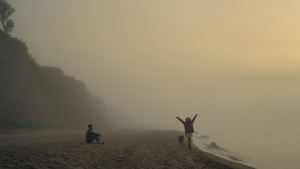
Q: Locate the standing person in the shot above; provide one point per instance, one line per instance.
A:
(188, 128)
(90, 135)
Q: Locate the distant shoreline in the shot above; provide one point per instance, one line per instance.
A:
(66, 148)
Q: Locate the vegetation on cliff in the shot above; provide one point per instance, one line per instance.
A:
(34, 96)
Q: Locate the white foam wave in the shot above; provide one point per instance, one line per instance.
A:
(206, 144)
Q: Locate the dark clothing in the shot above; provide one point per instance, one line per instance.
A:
(188, 126)
(90, 136)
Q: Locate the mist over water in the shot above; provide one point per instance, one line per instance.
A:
(235, 63)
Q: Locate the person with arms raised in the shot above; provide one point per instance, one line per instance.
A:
(188, 128)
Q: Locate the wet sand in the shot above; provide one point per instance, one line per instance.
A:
(66, 148)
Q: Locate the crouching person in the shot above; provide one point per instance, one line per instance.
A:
(90, 135)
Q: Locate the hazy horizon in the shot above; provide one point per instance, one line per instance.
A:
(235, 63)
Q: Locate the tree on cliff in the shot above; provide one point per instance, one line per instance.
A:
(6, 10)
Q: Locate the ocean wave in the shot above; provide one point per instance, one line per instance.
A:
(220, 151)
(204, 143)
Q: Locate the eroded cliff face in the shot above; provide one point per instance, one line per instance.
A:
(34, 96)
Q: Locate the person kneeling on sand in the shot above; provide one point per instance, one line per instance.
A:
(188, 128)
(90, 135)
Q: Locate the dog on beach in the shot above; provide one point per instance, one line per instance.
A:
(180, 139)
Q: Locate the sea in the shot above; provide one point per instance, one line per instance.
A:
(264, 149)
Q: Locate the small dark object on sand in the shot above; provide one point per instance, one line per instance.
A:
(180, 139)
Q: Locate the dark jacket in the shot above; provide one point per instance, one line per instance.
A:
(89, 136)
(188, 126)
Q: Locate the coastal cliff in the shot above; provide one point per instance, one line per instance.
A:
(34, 96)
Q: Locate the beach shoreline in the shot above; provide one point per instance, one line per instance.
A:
(66, 148)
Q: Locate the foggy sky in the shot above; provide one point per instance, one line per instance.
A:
(235, 63)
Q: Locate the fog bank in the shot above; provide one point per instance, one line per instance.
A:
(235, 63)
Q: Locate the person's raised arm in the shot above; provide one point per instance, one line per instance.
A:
(194, 118)
(180, 120)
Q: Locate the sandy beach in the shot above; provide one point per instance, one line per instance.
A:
(66, 148)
